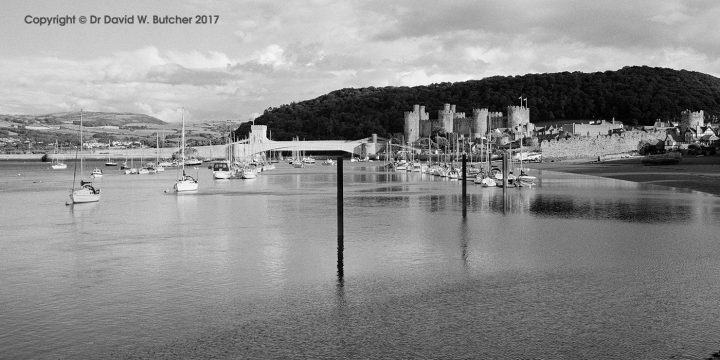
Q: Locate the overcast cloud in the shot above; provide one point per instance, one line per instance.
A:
(266, 53)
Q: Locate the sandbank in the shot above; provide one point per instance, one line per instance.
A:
(694, 173)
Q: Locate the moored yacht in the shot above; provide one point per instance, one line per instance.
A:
(185, 182)
(221, 170)
(96, 173)
(87, 192)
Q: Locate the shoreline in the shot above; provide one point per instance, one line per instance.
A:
(693, 173)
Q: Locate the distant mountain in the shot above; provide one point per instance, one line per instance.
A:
(635, 95)
(89, 118)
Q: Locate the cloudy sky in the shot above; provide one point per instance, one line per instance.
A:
(262, 54)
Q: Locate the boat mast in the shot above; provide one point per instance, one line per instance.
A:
(81, 147)
(157, 149)
(182, 141)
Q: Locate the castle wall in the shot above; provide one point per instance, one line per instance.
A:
(496, 120)
(590, 147)
(463, 126)
(592, 129)
(425, 128)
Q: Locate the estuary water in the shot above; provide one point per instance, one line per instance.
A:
(576, 267)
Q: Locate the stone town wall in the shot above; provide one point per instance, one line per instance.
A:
(591, 147)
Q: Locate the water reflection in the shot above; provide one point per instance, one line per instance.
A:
(464, 235)
(394, 188)
(399, 201)
(340, 259)
(642, 210)
(82, 210)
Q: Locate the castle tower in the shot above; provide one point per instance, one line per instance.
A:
(518, 116)
(258, 134)
(691, 120)
(480, 122)
(445, 118)
(412, 122)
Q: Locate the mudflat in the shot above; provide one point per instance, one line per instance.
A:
(694, 173)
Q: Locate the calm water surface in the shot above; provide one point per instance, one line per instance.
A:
(578, 267)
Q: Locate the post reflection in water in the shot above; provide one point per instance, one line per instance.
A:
(464, 235)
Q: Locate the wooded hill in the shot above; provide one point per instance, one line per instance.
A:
(90, 119)
(636, 95)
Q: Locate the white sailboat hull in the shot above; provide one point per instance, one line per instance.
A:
(248, 174)
(222, 174)
(486, 182)
(185, 185)
(526, 180)
(60, 166)
(84, 195)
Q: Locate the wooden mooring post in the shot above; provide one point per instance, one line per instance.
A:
(340, 222)
(464, 185)
(505, 173)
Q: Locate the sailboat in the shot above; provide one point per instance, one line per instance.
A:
(524, 180)
(296, 158)
(86, 192)
(57, 164)
(110, 162)
(185, 182)
(143, 170)
(158, 166)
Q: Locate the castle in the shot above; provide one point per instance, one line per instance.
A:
(419, 125)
